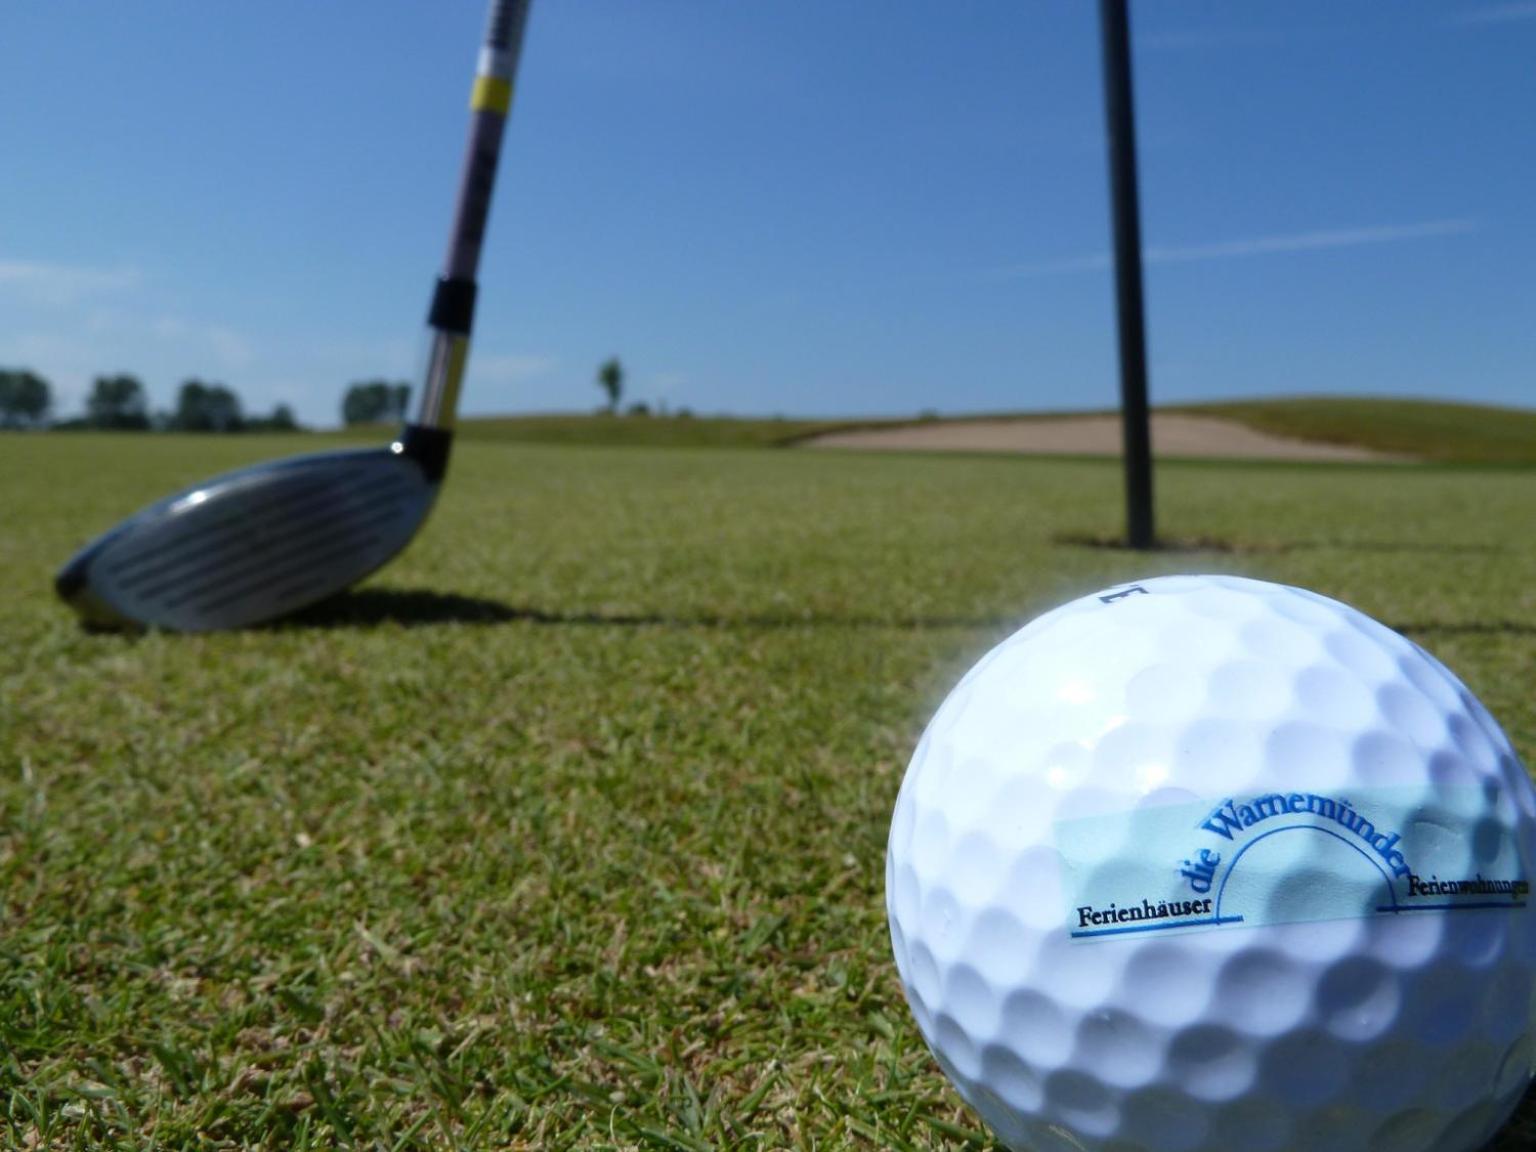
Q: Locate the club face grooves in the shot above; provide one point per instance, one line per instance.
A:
(261, 541)
(218, 545)
(361, 539)
(254, 544)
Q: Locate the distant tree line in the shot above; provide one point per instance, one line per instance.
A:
(374, 402)
(120, 403)
(25, 399)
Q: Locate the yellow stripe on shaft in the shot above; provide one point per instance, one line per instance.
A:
(491, 94)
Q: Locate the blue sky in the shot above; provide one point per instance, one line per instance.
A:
(799, 207)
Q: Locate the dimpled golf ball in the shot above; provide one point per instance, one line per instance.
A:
(1204, 863)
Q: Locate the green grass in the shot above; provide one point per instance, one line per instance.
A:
(1444, 432)
(1425, 430)
(567, 831)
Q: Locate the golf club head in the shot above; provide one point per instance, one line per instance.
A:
(261, 542)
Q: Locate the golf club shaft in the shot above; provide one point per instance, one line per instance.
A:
(453, 301)
(1120, 114)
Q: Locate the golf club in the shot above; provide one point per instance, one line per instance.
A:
(265, 541)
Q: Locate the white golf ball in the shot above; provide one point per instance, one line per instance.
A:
(1205, 863)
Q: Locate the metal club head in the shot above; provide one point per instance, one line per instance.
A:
(253, 545)
(260, 542)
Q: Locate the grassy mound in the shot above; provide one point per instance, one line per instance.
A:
(1425, 430)
(1428, 430)
(649, 431)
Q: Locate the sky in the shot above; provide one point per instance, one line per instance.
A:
(804, 207)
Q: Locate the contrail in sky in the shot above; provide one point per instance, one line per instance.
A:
(1322, 240)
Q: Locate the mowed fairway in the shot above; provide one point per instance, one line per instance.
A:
(568, 829)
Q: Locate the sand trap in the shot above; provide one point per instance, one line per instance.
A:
(1172, 435)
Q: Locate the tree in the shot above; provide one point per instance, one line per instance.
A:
(610, 378)
(283, 419)
(25, 398)
(117, 402)
(207, 408)
(374, 402)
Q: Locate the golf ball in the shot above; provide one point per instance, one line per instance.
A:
(1204, 863)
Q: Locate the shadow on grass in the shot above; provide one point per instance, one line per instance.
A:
(1180, 544)
(414, 607)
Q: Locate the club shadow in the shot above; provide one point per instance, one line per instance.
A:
(416, 607)
(1514, 1134)
(1463, 628)
(1181, 544)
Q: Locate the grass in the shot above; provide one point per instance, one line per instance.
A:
(648, 431)
(1442, 432)
(567, 831)
(1425, 430)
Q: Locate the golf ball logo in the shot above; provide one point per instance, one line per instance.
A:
(1284, 858)
(1203, 863)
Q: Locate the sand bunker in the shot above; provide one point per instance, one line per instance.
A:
(1172, 435)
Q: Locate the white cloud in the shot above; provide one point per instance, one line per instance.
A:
(1496, 14)
(347, 354)
(1307, 241)
(61, 285)
(1194, 39)
(72, 323)
(1321, 240)
(510, 368)
(230, 350)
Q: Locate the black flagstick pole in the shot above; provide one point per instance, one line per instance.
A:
(1121, 118)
